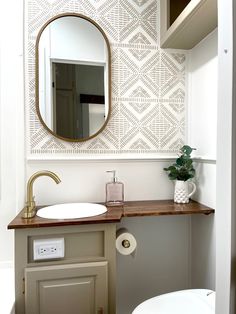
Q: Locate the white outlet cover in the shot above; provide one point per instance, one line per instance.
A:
(48, 249)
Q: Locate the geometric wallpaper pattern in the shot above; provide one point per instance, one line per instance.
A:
(148, 83)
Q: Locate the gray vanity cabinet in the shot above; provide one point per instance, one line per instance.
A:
(74, 288)
(81, 282)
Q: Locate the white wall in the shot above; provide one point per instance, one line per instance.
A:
(233, 212)
(85, 180)
(202, 132)
(225, 197)
(202, 96)
(11, 140)
(202, 115)
(12, 122)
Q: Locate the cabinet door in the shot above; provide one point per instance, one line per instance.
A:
(67, 289)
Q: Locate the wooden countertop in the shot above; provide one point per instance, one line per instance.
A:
(115, 214)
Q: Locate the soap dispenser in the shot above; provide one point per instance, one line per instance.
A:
(114, 191)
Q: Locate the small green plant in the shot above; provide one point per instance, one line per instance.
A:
(183, 168)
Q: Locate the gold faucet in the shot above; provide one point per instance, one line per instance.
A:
(30, 206)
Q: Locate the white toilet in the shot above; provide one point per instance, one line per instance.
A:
(193, 301)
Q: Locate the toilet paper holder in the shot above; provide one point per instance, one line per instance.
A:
(125, 242)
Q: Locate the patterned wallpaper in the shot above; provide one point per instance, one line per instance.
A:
(148, 83)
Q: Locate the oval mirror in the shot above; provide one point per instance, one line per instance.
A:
(73, 77)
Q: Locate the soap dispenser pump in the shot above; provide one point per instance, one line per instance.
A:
(114, 191)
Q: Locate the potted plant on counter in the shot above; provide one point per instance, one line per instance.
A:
(181, 171)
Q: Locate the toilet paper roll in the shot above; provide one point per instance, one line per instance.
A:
(126, 243)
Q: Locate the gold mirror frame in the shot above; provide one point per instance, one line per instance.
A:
(37, 76)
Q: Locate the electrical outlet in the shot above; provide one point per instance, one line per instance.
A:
(48, 248)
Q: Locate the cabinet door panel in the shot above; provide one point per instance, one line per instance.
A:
(76, 294)
(74, 289)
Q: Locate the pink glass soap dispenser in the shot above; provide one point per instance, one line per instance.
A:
(114, 191)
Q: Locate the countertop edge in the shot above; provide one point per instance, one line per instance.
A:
(115, 214)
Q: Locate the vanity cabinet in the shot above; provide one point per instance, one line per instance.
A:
(83, 281)
(74, 288)
(185, 23)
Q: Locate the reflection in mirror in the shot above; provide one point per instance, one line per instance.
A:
(73, 77)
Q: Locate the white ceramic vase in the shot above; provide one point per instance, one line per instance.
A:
(182, 194)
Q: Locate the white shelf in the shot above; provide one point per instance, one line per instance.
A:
(195, 22)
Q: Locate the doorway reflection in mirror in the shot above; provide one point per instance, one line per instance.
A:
(73, 78)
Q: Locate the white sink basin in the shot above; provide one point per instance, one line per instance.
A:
(71, 211)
